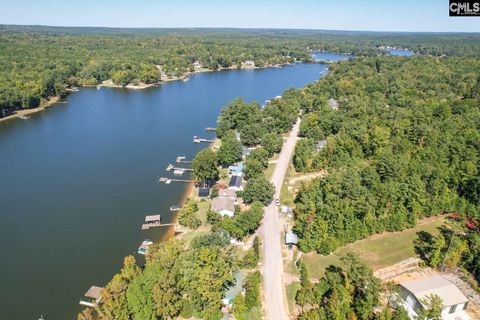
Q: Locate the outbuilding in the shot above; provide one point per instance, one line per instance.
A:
(415, 292)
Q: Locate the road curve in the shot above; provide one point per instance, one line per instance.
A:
(275, 299)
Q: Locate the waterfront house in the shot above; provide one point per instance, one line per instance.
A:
(236, 169)
(224, 206)
(236, 183)
(454, 301)
(249, 64)
(197, 65)
(332, 103)
(320, 145)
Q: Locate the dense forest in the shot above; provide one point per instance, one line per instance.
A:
(403, 144)
(37, 63)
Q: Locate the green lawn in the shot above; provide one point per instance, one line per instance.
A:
(291, 291)
(378, 251)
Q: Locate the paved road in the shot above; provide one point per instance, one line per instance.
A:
(275, 299)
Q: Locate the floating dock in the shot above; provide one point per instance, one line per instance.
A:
(177, 170)
(151, 222)
(210, 129)
(182, 159)
(199, 140)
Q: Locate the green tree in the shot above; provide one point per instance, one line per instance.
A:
(204, 166)
(432, 308)
(230, 150)
(188, 215)
(272, 142)
(258, 189)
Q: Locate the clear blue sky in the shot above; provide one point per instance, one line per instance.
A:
(376, 15)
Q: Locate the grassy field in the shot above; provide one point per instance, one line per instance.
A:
(291, 291)
(378, 251)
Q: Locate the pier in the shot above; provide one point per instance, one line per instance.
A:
(177, 170)
(169, 180)
(182, 159)
(175, 207)
(199, 140)
(151, 222)
(210, 129)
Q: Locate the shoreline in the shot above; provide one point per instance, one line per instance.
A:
(27, 112)
(109, 84)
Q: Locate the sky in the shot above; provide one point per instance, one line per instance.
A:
(364, 15)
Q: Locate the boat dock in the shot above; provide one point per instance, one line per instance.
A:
(210, 129)
(182, 159)
(175, 207)
(151, 222)
(199, 140)
(177, 170)
(169, 180)
(94, 295)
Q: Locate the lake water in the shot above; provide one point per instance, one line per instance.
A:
(78, 179)
(401, 53)
(326, 56)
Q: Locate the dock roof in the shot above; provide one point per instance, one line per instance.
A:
(94, 292)
(152, 218)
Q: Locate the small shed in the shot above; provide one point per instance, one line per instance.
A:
(224, 206)
(291, 238)
(236, 183)
(454, 301)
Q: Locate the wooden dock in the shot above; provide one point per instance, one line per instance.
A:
(171, 167)
(210, 129)
(169, 180)
(147, 226)
(182, 159)
(199, 140)
(175, 208)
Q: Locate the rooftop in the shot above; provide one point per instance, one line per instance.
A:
(154, 218)
(235, 181)
(227, 193)
(291, 238)
(221, 204)
(94, 292)
(438, 285)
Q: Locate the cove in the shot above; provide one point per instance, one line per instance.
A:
(78, 179)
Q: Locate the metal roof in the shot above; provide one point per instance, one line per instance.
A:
(291, 238)
(152, 218)
(437, 285)
(94, 292)
(220, 204)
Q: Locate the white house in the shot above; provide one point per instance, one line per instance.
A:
(224, 206)
(454, 301)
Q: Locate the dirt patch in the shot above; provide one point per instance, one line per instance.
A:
(307, 177)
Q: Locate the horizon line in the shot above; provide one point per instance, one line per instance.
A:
(238, 28)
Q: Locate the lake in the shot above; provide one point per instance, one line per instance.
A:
(79, 178)
(327, 56)
(400, 52)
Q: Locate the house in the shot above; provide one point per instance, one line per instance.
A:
(224, 206)
(197, 65)
(236, 183)
(236, 169)
(249, 64)
(227, 193)
(320, 145)
(454, 302)
(332, 103)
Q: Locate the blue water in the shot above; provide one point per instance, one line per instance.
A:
(325, 56)
(401, 53)
(79, 178)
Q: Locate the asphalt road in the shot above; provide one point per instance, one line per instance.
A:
(275, 298)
